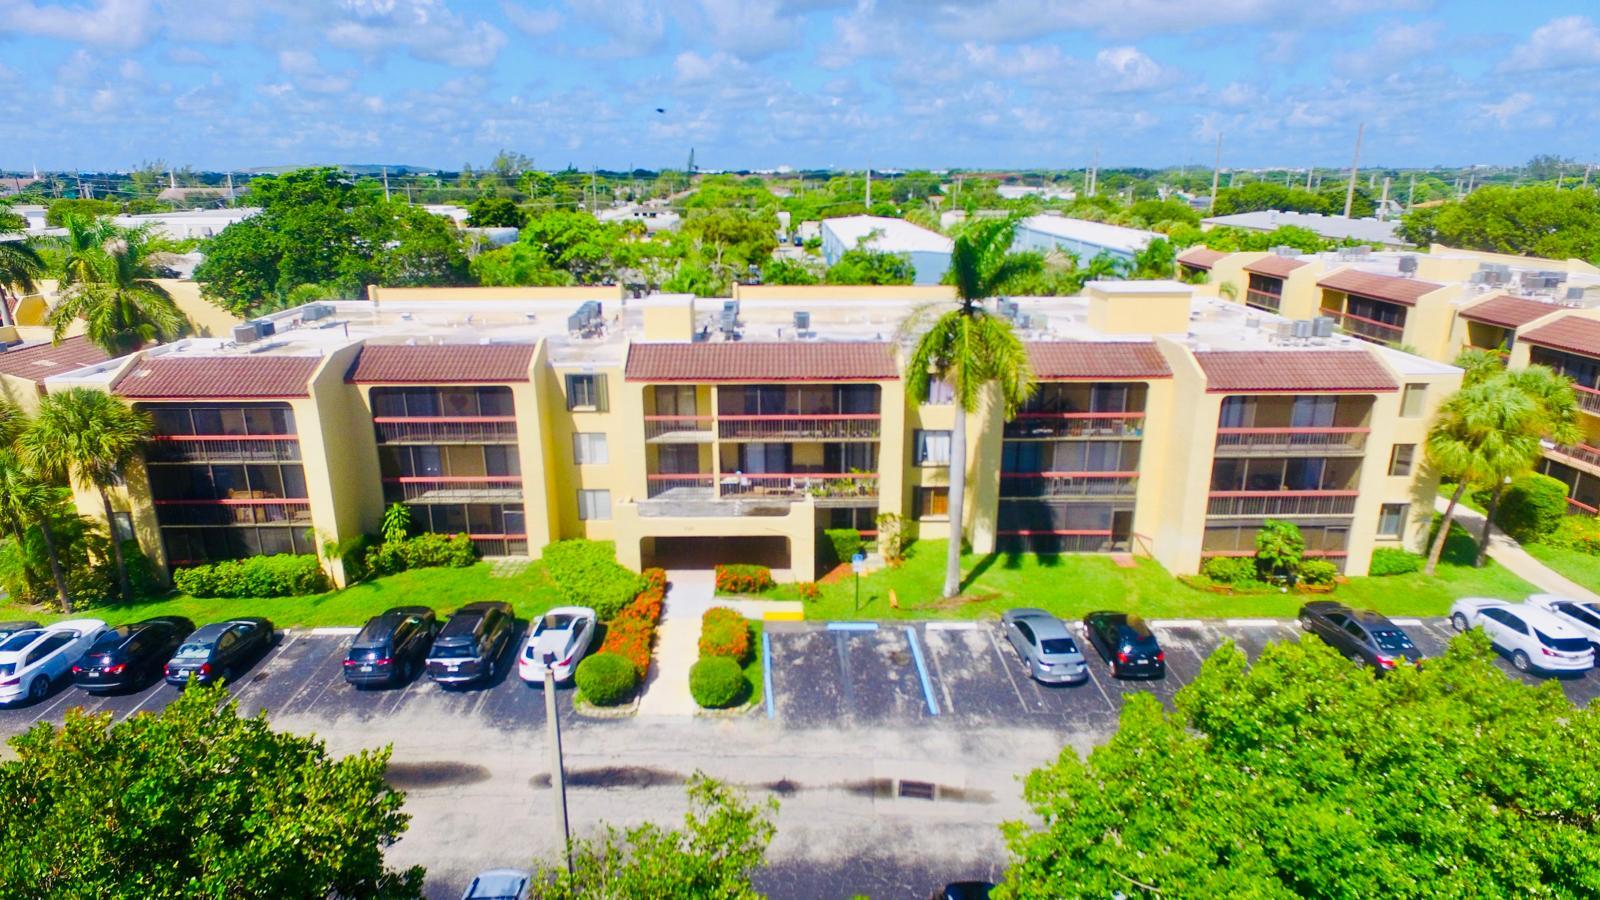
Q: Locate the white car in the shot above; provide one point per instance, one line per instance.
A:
(558, 640)
(1580, 614)
(33, 660)
(1536, 638)
(500, 884)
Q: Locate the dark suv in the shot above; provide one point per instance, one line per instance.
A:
(130, 655)
(392, 648)
(469, 646)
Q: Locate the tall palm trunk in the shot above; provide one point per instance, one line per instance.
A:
(1444, 529)
(957, 502)
(116, 544)
(1488, 525)
(56, 572)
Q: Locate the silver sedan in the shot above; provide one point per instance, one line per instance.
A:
(1045, 645)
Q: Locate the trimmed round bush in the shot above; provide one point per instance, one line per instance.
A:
(1229, 569)
(605, 679)
(724, 632)
(1532, 508)
(1318, 571)
(717, 682)
(1394, 561)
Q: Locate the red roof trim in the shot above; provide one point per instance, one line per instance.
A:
(1275, 266)
(441, 363)
(219, 378)
(758, 361)
(1293, 372)
(1509, 311)
(1391, 288)
(1571, 333)
(1096, 360)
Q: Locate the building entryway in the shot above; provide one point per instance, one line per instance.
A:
(710, 552)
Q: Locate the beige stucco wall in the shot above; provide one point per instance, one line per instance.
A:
(340, 456)
(863, 293)
(206, 319)
(478, 294)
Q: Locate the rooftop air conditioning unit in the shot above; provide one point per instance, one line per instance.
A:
(1285, 331)
(1302, 329)
(1408, 265)
(315, 311)
(1479, 277)
(246, 332)
(1574, 292)
(265, 328)
(1322, 326)
(802, 322)
(1285, 250)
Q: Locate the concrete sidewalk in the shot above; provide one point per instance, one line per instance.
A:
(1509, 553)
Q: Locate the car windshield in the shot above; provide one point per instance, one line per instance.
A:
(453, 651)
(111, 640)
(1564, 644)
(1057, 646)
(193, 651)
(20, 640)
(7, 669)
(1394, 641)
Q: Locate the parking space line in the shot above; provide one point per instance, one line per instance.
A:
(766, 673)
(922, 670)
(1099, 687)
(1251, 623)
(148, 697)
(951, 626)
(336, 630)
(1407, 623)
(847, 691)
(272, 656)
(1005, 666)
(1176, 623)
(852, 626)
(400, 695)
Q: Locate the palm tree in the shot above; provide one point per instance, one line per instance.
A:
(970, 349)
(84, 246)
(1479, 365)
(20, 265)
(114, 291)
(1555, 417)
(24, 499)
(90, 436)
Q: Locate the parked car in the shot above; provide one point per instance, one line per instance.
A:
(965, 890)
(219, 651)
(500, 884)
(33, 659)
(131, 655)
(557, 641)
(1360, 634)
(392, 647)
(1581, 615)
(468, 648)
(1044, 644)
(1126, 643)
(7, 629)
(1537, 639)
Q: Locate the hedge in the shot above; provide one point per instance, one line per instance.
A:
(632, 630)
(723, 632)
(283, 575)
(1580, 533)
(1532, 508)
(1393, 561)
(605, 679)
(1318, 571)
(846, 543)
(423, 551)
(717, 682)
(743, 579)
(587, 574)
(1229, 569)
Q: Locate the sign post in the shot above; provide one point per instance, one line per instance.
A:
(858, 564)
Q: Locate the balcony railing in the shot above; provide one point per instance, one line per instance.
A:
(253, 511)
(1069, 484)
(1235, 441)
(696, 486)
(1368, 329)
(455, 489)
(1582, 453)
(820, 485)
(1281, 503)
(446, 430)
(1588, 399)
(677, 427)
(500, 544)
(1062, 540)
(1577, 507)
(1263, 300)
(222, 448)
(1049, 425)
(843, 427)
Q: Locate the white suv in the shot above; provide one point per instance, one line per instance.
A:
(1536, 638)
(1583, 616)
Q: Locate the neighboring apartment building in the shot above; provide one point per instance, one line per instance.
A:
(693, 434)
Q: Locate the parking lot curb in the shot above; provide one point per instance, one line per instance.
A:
(783, 617)
(852, 626)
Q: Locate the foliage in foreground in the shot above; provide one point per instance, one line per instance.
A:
(194, 802)
(723, 841)
(1305, 775)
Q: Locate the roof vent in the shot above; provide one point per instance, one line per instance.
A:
(314, 311)
(802, 324)
(1574, 292)
(730, 319)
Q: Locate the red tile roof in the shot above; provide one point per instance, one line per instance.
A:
(1061, 360)
(36, 362)
(1274, 266)
(1200, 257)
(757, 361)
(1293, 371)
(1574, 334)
(1382, 287)
(442, 363)
(219, 378)
(1507, 311)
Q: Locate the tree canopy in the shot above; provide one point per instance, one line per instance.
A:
(1263, 195)
(1530, 221)
(864, 266)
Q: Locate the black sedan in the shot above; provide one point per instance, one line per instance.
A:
(469, 646)
(219, 651)
(1363, 635)
(1126, 643)
(7, 629)
(392, 647)
(129, 656)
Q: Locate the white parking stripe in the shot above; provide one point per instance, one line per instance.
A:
(951, 626)
(1251, 623)
(1176, 623)
(340, 630)
(1407, 623)
(159, 688)
(66, 694)
(1005, 666)
(272, 655)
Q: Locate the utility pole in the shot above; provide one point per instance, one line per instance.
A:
(869, 188)
(1216, 175)
(1308, 176)
(1383, 205)
(1561, 175)
(1586, 170)
(386, 184)
(1355, 162)
(558, 774)
(1472, 177)
(1094, 174)
(1411, 195)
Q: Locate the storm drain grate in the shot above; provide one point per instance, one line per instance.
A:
(916, 790)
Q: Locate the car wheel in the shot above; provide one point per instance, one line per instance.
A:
(1521, 661)
(1458, 621)
(39, 688)
(1305, 623)
(494, 665)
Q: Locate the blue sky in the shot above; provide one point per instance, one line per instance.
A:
(762, 83)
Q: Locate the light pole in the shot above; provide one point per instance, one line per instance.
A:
(857, 563)
(558, 775)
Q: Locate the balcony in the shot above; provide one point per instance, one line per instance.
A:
(1274, 441)
(708, 494)
(1588, 399)
(827, 488)
(196, 448)
(843, 427)
(681, 487)
(1582, 454)
(1281, 503)
(1263, 300)
(1068, 484)
(446, 430)
(251, 511)
(677, 429)
(1368, 329)
(1578, 507)
(500, 544)
(455, 489)
(1054, 425)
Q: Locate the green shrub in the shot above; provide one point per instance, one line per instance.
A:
(737, 578)
(846, 543)
(1229, 569)
(142, 579)
(283, 575)
(587, 574)
(1279, 548)
(605, 679)
(723, 632)
(1532, 508)
(1318, 571)
(717, 682)
(1580, 533)
(1394, 561)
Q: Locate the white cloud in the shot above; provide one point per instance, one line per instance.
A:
(428, 29)
(532, 22)
(109, 23)
(1126, 69)
(749, 28)
(1517, 110)
(635, 27)
(1562, 43)
(1395, 48)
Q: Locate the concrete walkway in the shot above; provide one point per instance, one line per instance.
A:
(689, 594)
(1509, 553)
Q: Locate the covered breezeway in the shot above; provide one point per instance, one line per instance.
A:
(710, 552)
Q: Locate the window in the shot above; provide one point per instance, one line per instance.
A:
(932, 502)
(933, 448)
(940, 393)
(594, 506)
(1412, 399)
(1392, 519)
(124, 525)
(1400, 459)
(586, 392)
(589, 448)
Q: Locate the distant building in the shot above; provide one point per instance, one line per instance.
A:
(1044, 192)
(189, 223)
(1333, 228)
(929, 250)
(653, 218)
(1080, 237)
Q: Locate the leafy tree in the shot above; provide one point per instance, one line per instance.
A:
(402, 245)
(731, 237)
(1555, 416)
(1279, 548)
(517, 264)
(722, 843)
(27, 502)
(113, 289)
(695, 277)
(864, 266)
(975, 352)
(1304, 775)
(495, 212)
(577, 243)
(1153, 213)
(195, 801)
(1532, 221)
(1157, 259)
(787, 271)
(1478, 365)
(59, 211)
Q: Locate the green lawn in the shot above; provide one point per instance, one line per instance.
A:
(531, 592)
(752, 669)
(1070, 586)
(1575, 565)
